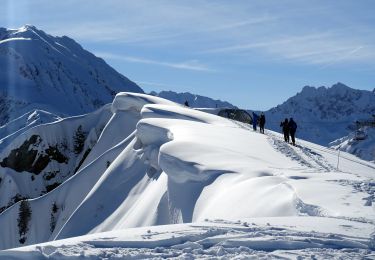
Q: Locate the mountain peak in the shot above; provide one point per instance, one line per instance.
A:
(46, 67)
(27, 27)
(340, 86)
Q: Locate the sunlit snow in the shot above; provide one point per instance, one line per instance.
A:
(187, 184)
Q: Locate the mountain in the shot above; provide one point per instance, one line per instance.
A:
(193, 99)
(54, 74)
(46, 152)
(361, 143)
(324, 114)
(221, 189)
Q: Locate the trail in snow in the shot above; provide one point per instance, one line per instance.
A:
(303, 155)
(367, 187)
(278, 238)
(315, 146)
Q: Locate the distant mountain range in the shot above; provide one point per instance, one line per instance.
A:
(325, 115)
(55, 74)
(193, 100)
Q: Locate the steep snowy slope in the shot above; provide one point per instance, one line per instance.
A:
(192, 99)
(14, 128)
(170, 164)
(360, 143)
(324, 114)
(54, 74)
(36, 159)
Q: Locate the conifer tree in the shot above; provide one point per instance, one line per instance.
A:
(24, 217)
(79, 140)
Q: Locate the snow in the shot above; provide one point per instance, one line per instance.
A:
(55, 74)
(363, 148)
(294, 238)
(15, 39)
(324, 114)
(129, 101)
(193, 99)
(187, 184)
(12, 129)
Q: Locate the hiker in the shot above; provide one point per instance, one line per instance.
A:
(285, 127)
(186, 103)
(255, 120)
(262, 122)
(292, 130)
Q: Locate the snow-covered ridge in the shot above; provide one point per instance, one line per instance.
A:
(55, 74)
(156, 162)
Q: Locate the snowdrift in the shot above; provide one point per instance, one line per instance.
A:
(159, 163)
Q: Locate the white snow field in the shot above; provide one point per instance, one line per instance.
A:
(166, 181)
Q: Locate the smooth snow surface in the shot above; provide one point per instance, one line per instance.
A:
(244, 193)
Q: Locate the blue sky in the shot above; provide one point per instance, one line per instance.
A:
(254, 54)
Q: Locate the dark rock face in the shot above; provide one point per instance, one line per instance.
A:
(25, 158)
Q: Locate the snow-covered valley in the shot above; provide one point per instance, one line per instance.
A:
(163, 180)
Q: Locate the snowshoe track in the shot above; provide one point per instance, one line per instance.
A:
(303, 155)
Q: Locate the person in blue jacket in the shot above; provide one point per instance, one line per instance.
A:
(255, 121)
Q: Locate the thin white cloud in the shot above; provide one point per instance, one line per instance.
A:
(185, 65)
(321, 48)
(159, 86)
(292, 31)
(343, 57)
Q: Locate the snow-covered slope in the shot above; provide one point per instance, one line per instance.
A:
(360, 143)
(324, 114)
(156, 162)
(12, 129)
(192, 99)
(36, 159)
(55, 74)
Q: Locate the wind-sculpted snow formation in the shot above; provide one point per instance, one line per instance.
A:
(158, 163)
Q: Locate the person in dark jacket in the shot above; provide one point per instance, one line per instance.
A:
(255, 121)
(285, 127)
(262, 122)
(292, 130)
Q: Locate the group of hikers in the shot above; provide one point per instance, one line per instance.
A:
(289, 127)
(259, 119)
